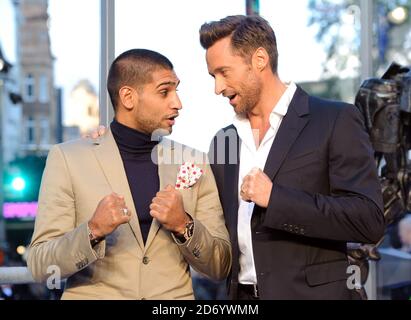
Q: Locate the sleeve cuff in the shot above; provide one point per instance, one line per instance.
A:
(90, 254)
(191, 246)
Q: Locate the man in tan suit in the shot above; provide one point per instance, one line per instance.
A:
(110, 217)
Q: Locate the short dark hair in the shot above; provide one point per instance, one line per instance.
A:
(134, 68)
(248, 33)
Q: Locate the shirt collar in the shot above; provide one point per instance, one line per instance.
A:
(282, 105)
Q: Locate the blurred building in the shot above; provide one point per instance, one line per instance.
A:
(36, 74)
(11, 115)
(82, 110)
(71, 133)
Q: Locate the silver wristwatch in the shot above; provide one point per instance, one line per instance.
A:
(188, 232)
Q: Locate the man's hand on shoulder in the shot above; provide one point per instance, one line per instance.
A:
(95, 133)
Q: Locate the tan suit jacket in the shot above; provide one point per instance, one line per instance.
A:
(77, 176)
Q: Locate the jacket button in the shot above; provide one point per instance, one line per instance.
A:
(146, 260)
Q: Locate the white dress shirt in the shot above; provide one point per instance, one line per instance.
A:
(253, 157)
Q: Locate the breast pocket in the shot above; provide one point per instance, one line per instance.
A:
(300, 161)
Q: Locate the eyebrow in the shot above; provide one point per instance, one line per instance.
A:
(220, 69)
(168, 83)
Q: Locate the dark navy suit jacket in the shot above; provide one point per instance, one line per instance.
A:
(325, 193)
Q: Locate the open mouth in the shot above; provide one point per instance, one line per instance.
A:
(172, 119)
(232, 98)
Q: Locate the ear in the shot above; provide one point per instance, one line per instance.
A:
(128, 97)
(260, 59)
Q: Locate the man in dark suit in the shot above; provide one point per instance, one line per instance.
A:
(295, 173)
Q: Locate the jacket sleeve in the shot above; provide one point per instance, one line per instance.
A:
(209, 249)
(353, 209)
(56, 241)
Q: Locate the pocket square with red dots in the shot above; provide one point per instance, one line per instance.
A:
(188, 175)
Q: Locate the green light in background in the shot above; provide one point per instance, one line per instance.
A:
(18, 184)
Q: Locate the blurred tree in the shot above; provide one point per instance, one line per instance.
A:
(338, 30)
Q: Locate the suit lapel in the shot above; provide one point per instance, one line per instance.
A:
(166, 176)
(293, 123)
(109, 158)
(231, 176)
(229, 191)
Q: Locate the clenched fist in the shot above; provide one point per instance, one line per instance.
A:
(110, 213)
(167, 207)
(256, 187)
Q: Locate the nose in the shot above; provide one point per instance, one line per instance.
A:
(177, 103)
(219, 85)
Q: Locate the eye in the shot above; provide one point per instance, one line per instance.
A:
(164, 93)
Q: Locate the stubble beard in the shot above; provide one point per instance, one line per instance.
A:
(250, 96)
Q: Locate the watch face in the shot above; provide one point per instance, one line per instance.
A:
(190, 229)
